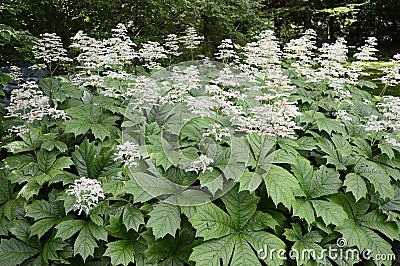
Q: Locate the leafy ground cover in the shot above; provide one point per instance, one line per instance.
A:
(268, 155)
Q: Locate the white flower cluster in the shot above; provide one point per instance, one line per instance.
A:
(368, 51)
(145, 92)
(16, 74)
(392, 74)
(128, 152)
(274, 119)
(265, 54)
(390, 107)
(182, 82)
(49, 49)
(375, 125)
(201, 164)
(191, 39)
(151, 52)
(217, 131)
(342, 115)
(226, 51)
(301, 51)
(96, 56)
(30, 104)
(172, 45)
(87, 192)
(391, 141)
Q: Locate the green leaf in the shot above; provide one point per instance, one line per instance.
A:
(308, 243)
(40, 209)
(76, 127)
(241, 206)
(261, 240)
(356, 185)
(120, 252)
(132, 217)
(14, 252)
(325, 209)
(100, 132)
(214, 252)
(17, 147)
(281, 186)
(68, 228)
(211, 222)
(98, 232)
(29, 189)
(328, 125)
(85, 243)
(41, 227)
(50, 249)
(243, 254)
(46, 159)
(213, 181)
(21, 230)
(84, 157)
(303, 209)
(377, 176)
(377, 221)
(164, 219)
(250, 181)
(260, 221)
(325, 181)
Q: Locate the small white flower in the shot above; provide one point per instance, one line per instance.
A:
(87, 193)
(201, 164)
(172, 45)
(151, 52)
(191, 40)
(49, 48)
(30, 104)
(342, 115)
(128, 152)
(217, 131)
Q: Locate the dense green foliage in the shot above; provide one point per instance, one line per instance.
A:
(199, 163)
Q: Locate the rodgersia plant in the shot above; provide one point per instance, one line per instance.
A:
(87, 192)
(202, 163)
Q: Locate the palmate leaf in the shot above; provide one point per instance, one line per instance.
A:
(88, 118)
(306, 245)
(67, 229)
(132, 217)
(331, 213)
(50, 249)
(356, 185)
(325, 181)
(120, 252)
(364, 238)
(164, 219)
(92, 161)
(233, 239)
(85, 243)
(241, 206)
(211, 222)
(41, 227)
(213, 252)
(171, 250)
(377, 176)
(303, 209)
(377, 221)
(40, 209)
(282, 186)
(14, 252)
